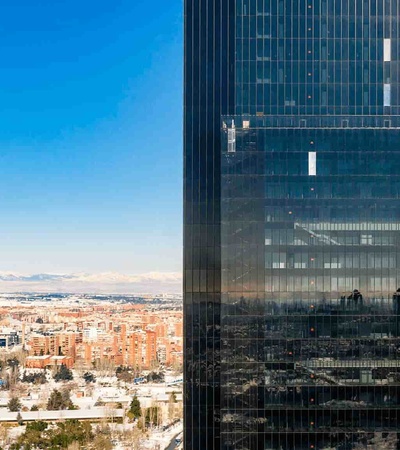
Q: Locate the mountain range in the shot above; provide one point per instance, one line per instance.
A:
(106, 282)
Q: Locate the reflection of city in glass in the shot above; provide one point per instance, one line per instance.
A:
(298, 347)
(311, 243)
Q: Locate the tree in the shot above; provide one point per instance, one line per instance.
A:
(63, 374)
(89, 377)
(135, 408)
(55, 401)
(3, 434)
(104, 366)
(177, 368)
(153, 415)
(14, 404)
(59, 400)
(34, 408)
(19, 419)
(156, 377)
(71, 431)
(171, 406)
(102, 442)
(38, 425)
(38, 435)
(36, 378)
(12, 362)
(124, 374)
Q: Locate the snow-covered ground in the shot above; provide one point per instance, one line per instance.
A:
(159, 440)
(110, 392)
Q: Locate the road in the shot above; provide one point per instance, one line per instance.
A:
(172, 444)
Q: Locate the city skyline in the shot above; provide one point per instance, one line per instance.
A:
(82, 187)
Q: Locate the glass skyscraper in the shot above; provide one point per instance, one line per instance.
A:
(292, 224)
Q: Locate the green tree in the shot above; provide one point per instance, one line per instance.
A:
(89, 377)
(72, 431)
(34, 408)
(14, 404)
(59, 400)
(63, 374)
(135, 408)
(38, 435)
(38, 425)
(55, 401)
(33, 438)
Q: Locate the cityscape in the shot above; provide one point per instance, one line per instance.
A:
(200, 225)
(111, 365)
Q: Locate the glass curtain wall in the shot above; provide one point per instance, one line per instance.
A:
(310, 263)
(208, 93)
(291, 136)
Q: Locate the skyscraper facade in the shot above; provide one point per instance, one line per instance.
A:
(292, 220)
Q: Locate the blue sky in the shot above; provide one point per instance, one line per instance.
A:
(90, 136)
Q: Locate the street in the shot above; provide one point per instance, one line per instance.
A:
(172, 444)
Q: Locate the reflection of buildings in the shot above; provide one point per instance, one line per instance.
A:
(310, 324)
(301, 210)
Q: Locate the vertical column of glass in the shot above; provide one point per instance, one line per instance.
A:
(208, 92)
(242, 308)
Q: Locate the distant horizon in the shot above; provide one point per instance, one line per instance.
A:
(152, 283)
(111, 294)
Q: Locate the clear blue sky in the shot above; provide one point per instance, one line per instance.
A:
(90, 135)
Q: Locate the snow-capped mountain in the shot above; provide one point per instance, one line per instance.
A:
(86, 282)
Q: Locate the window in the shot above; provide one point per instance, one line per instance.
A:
(312, 163)
(386, 95)
(387, 50)
(232, 138)
(366, 239)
